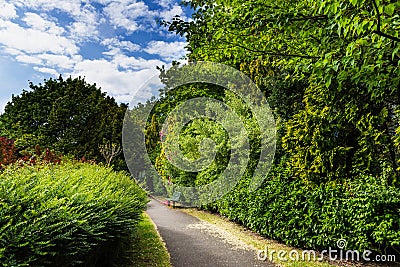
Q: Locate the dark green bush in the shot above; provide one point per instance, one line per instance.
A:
(364, 211)
(66, 215)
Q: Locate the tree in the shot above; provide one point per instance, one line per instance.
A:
(330, 69)
(339, 61)
(109, 151)
(68, 115)
(152, 134)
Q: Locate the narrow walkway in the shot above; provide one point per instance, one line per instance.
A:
(192, 242)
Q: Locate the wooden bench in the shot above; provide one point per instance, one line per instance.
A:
(175, 198)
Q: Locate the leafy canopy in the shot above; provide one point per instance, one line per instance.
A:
(68, 115)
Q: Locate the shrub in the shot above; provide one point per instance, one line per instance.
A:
(9, 154)
(38, 156)
(8, 151)
(365, 212)
(66, 215)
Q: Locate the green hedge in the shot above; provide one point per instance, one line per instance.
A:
(365, 212)
(66, 215)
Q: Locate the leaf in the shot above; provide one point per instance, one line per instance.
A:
(389, 9)
(328, 81)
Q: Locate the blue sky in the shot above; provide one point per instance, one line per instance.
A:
(116, 44)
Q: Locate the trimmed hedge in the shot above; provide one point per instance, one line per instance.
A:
(365, 212)
(66, 215)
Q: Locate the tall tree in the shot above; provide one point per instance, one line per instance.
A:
(341, 62)
(68, 115)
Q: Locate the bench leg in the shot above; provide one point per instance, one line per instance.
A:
(171, 201)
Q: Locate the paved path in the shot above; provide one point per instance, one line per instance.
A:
(194, 243)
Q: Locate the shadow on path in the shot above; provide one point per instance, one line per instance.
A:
(191, 243)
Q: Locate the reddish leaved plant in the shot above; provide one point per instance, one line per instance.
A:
(8, 152)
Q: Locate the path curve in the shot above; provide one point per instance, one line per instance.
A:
(192, 242)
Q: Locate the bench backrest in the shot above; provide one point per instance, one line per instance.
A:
(176, 195)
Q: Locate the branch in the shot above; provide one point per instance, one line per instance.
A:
(321, 17)
(272, 53)
(301, 18)
(378, 30)
(110, 151)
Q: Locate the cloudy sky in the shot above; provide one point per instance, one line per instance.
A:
(116, 44)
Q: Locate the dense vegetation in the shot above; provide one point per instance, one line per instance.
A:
(67, 215)
(68, 116)
(331, 73)
(330, 70)
(55, 211)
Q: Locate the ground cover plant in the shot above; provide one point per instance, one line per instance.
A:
(68, 214)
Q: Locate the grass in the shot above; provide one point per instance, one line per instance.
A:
(148, 248)
(260, 243)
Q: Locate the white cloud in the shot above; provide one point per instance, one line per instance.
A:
(167, 50)
(32, 40)
(29, 59)
(130, 15)
(11, 51)
(133, 63)
(72, 7)
(7, 11)
(169, 14)
(165, 3)
(86, 25)
(112, 52)
(83, 31)
(60, 61)
(50, 63)
(122, 85)
(46, 70)
(83, 13)
(36, 22)
(125, 14)
(113, 43)
(3, 103)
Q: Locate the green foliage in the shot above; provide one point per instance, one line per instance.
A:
(152, 134)
(67, 115)
(331, 72)
(191, 144)
(365, 212)
(66, 215)
(330, 69)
